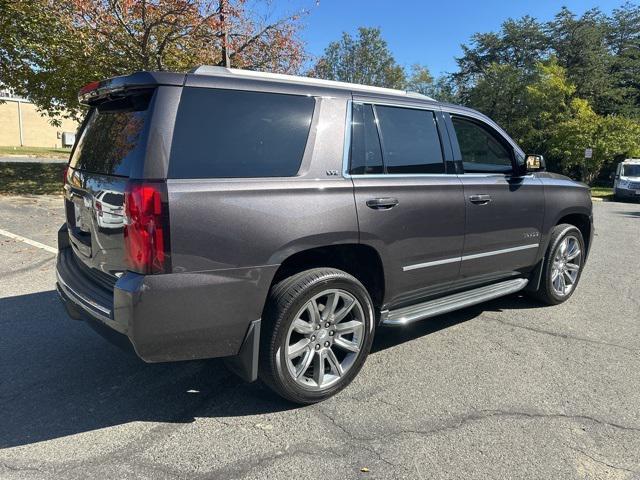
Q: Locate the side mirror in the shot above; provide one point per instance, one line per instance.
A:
(535, 163)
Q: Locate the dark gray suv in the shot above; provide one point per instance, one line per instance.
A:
(279, 221)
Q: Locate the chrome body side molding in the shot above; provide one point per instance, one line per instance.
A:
(469, 257)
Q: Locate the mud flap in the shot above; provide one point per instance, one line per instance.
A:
(535, 277)
(245, 363)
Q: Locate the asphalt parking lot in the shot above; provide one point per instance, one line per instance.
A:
(508, 389)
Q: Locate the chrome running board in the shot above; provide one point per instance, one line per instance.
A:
(419, 311)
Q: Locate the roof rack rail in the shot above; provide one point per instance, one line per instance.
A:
(411, 93)
(294, 79)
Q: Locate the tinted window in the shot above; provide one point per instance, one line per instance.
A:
(366, 155)
(481, 150)
(631, 170)
(112, 140)
(232, 133)
(410, 140)
(113, 198)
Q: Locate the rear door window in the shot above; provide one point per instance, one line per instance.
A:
(410, 141)
(366, 154)
(232, 133)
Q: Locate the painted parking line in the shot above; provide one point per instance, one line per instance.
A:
(28, 241)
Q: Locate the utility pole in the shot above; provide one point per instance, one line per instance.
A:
(225, 34)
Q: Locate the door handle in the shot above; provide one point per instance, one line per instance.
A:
(480, 199)
(382, 203)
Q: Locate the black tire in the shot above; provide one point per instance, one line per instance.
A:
(286, 299)
(546, 292)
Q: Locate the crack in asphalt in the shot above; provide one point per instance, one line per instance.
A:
(489, 414)
(601, 462)
(479, 415)
(184, 417)
(565, 336)
(16, 468)
(352, 437)
(26, 268)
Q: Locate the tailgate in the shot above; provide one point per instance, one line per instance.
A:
(109, 151)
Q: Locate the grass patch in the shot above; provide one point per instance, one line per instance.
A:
(602, 192)
(36, 152)
(31, 178)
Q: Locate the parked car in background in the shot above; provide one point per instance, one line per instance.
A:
(626, 182)
(108, 206)
(279, 221)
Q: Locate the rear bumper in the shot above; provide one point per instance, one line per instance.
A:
(169, 317)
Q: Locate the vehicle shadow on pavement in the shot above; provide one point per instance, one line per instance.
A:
(629, 214)
(58, 378)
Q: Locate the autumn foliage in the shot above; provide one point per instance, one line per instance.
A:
(50, 48)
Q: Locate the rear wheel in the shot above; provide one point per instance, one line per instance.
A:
(563, 265)
(319, 329)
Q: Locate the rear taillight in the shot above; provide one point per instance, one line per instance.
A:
(64, 175)
(146, 230)
(99, 208)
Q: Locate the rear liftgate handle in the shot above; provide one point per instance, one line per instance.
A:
(382, 203)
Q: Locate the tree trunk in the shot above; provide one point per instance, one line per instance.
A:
(225, 35)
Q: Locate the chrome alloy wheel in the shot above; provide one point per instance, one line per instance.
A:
(566, 266)
(325, 339)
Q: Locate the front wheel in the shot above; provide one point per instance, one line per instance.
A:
(319, 328)
(563, 265)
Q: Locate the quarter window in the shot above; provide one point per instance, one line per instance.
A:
(481, 151)
(233, 133)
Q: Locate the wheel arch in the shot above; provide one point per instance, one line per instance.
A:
(361, 261)
(583, 222)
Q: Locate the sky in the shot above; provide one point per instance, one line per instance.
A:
(425, 31)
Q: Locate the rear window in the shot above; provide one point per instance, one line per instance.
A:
(232, 133)
(112, 140)
(113, 199)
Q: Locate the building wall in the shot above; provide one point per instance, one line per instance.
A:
(36, 129)
(9, 128)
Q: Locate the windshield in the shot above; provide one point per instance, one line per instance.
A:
(631, 170)
(112, 139)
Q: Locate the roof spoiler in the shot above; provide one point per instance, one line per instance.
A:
(98, 91)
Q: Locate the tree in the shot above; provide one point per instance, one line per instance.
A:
(548, 102)
(563, 125)
(365, 60)
(520, 43)
(581, 48)
(560, 87)
(420, 80)
(624, 42)
(611, 138)
(49, 48)
(500, 93)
